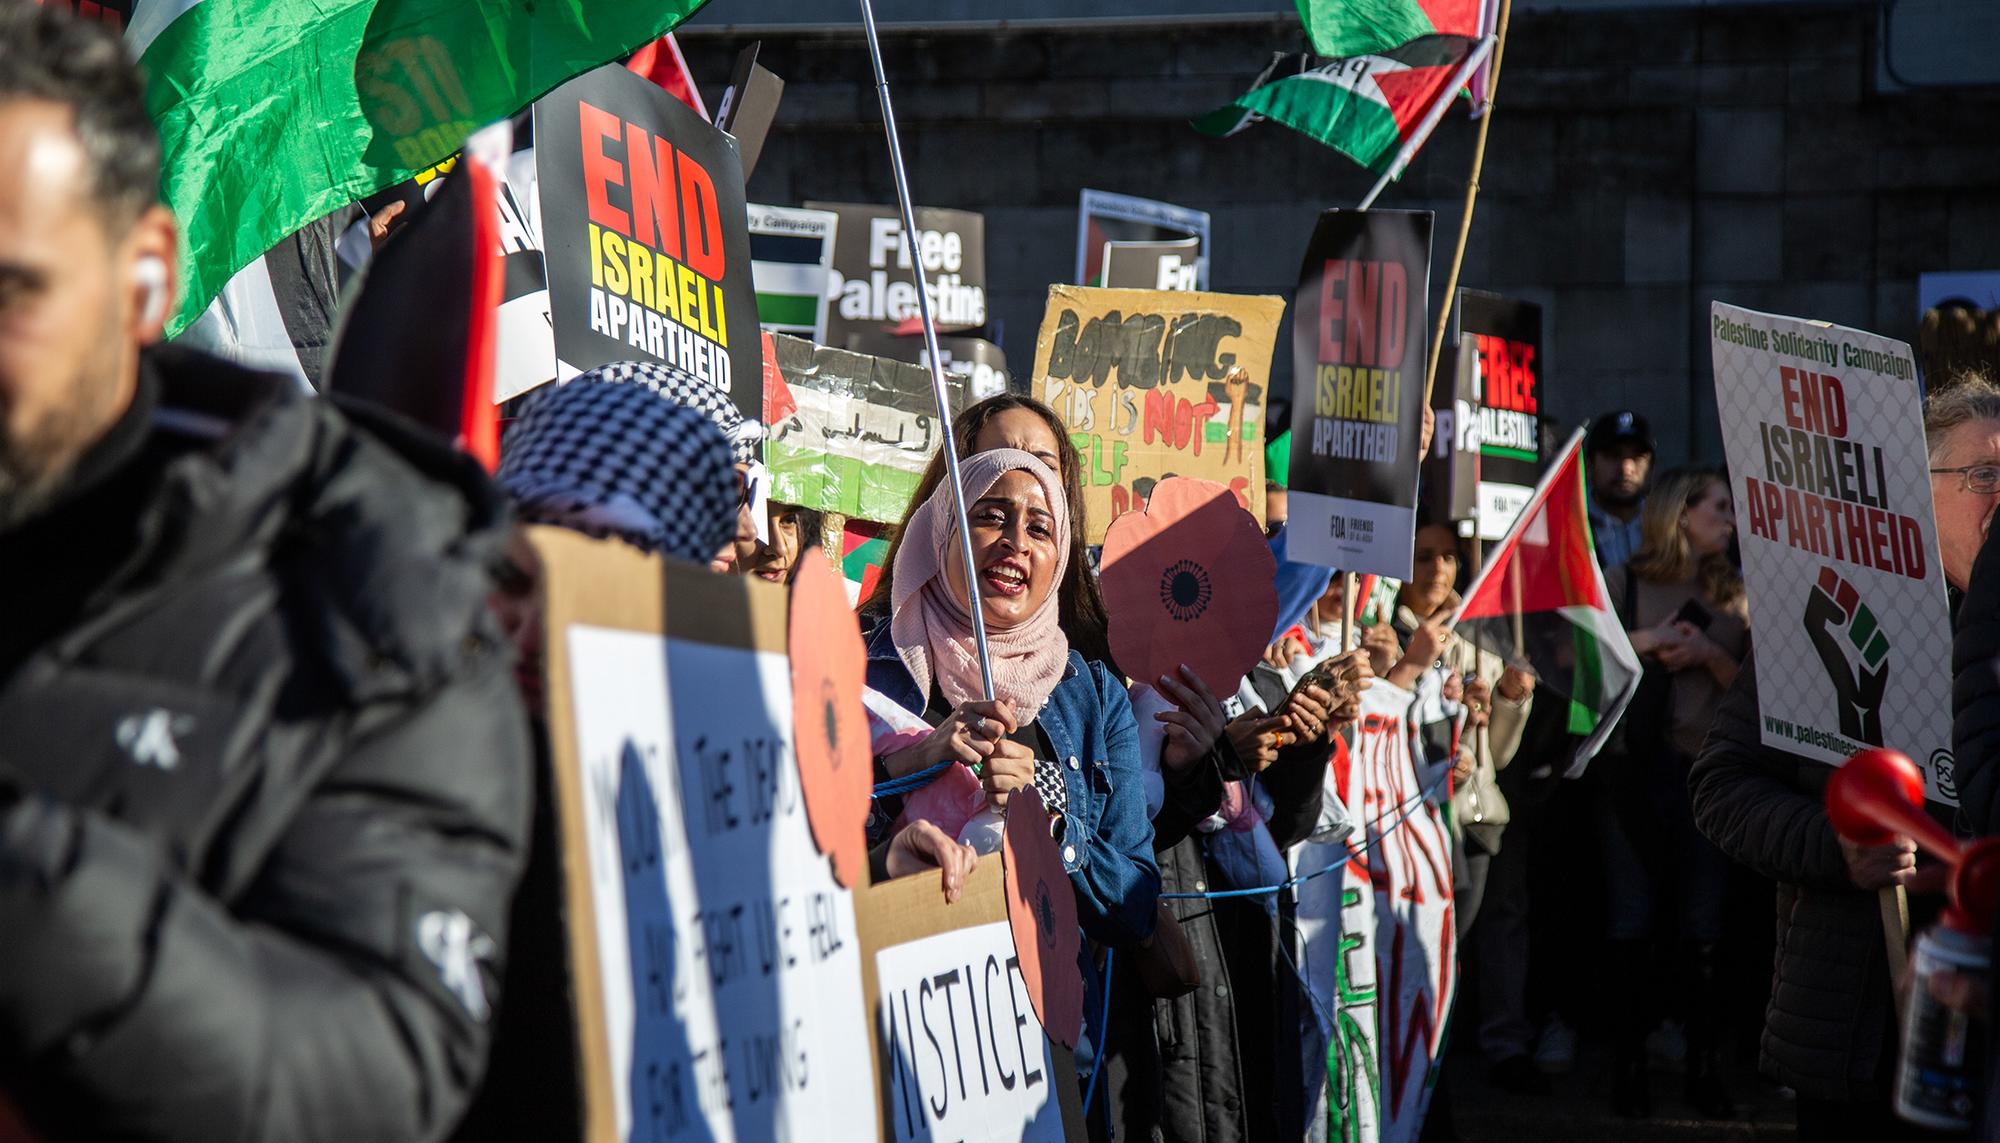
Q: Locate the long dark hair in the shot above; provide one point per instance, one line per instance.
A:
(1079, 602)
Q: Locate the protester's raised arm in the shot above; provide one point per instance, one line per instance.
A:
(345, 992)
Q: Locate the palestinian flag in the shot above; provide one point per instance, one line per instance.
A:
(1541, 604)
(276, 113)
(864, 548)
(1366, 107)
(1351, 28)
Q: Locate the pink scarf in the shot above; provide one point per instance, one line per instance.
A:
(930, 623)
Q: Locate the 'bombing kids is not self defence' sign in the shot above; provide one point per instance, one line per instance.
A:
(645, 235)
(1824, 430)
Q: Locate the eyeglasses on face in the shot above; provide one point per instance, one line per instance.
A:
(1978, 479)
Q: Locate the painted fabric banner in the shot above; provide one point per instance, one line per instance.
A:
(1158, 383)
(1378, 947)
(860, 435)
(1825, 435)
(1359, 336)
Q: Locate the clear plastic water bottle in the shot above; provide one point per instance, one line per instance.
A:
(1943, 1067)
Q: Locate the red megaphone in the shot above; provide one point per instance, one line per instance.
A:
(1879, 794)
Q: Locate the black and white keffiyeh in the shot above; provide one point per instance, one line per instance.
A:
(684, 388)
(609, 458)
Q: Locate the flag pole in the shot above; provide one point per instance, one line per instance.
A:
(1430, 121)
(1471, 197)
(936, 359)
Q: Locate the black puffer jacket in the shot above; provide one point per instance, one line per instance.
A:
(266, 779)
(1828, 1026)
(1975, 695)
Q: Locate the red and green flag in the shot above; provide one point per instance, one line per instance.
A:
(1367, 108)
(1345, 29)
(275, 113)
(1540, 603)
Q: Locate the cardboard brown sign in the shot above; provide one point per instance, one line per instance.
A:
(715, 958)
(1156, 383)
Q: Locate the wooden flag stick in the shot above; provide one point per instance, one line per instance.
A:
(1895, 908)
(1471, 197)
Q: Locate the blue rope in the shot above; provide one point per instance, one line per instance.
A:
(1103, 1036)
(1403, 813)
(909, 782)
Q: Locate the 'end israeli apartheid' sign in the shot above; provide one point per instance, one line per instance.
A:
(1359, 338)
(645, 236)
(1157, 383)
(1824, 430)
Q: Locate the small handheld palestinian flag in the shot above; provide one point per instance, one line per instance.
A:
(1540, 603)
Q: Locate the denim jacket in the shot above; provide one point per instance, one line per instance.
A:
(1107, 841)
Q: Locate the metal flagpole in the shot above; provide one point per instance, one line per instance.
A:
(1430, 120)
(938, 388)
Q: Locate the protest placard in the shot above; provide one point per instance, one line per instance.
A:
(1507, 335)
(1157, 383)
(861, 434)
(644, 234)
(872, 290)
(1378, 935)
(716, 960)
(1449, 488)
(1152, 265)
(1359, 338)
(1103, 217)
(979, 364)
(791, 262)
(1824, 431)
(958, 1049)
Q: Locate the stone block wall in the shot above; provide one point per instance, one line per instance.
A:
(1642, 163)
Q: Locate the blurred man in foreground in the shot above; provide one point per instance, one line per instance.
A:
(263, 774)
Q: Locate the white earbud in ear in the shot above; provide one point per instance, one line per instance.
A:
(151, 275)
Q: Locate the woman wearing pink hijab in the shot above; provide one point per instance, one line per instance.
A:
(1057, 722)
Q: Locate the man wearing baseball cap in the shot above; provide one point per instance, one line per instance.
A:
(1619, 450)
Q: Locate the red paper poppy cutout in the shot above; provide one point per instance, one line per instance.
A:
(829, 724)
(1041, 909)
(1189, 580)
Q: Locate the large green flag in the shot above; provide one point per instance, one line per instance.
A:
(1345, 28)
(275, 112)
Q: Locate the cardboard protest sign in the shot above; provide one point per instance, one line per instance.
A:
(1824, 430)
(1103, 217)
(1359, 338)
(980, 365)
(836, 770)
(1189, 580)
(1380, 947)
(1507, 335)
(1151, 265)
(959, 1051)
(872, 289)
(749, 106)
(1155, 384)
(715, 957)
(861, 435)
(644, 234)
(791, 262)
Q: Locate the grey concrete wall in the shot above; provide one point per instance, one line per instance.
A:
(1642, 162)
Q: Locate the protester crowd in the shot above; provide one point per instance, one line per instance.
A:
(277, 852)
